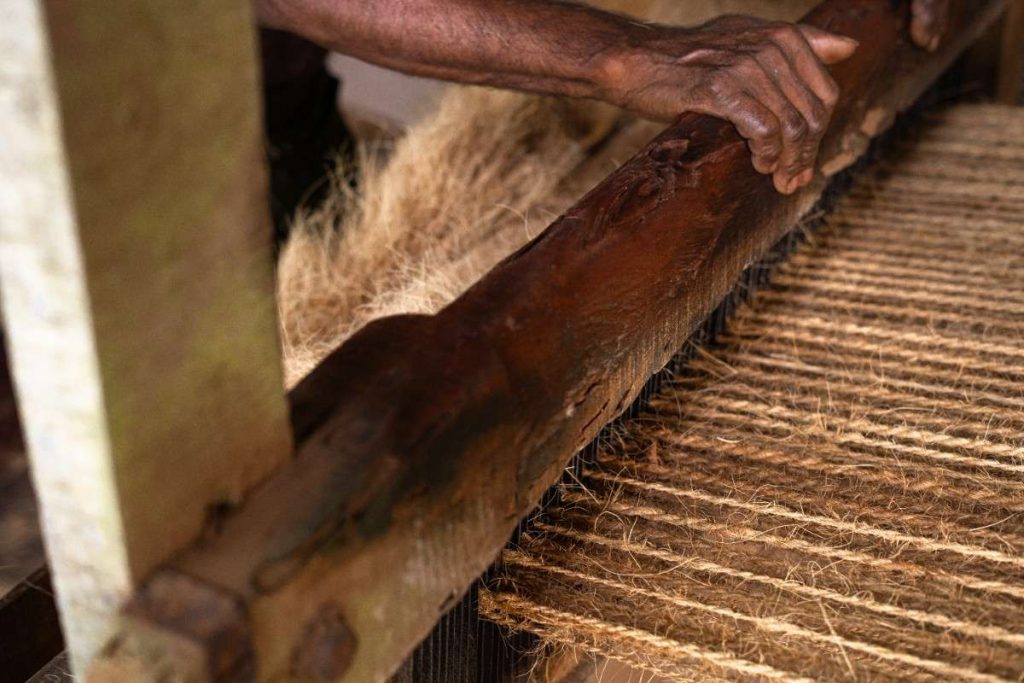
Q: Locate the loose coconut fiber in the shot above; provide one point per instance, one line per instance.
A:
(469, 185)
(835, 491)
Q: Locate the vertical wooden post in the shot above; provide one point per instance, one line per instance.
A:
(1011, 58)
(136, 270)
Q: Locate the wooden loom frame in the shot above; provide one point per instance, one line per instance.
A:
(420, 443)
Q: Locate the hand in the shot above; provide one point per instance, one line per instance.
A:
(929, 20)
(767, 78)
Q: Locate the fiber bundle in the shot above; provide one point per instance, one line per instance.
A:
(835, 489)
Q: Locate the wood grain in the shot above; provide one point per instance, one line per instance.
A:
(424, 439)
(1010, 78)
(137, 282)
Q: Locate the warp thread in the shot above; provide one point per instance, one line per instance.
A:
(836, 489)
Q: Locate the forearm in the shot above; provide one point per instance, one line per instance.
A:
(535, 45)
(768, 79)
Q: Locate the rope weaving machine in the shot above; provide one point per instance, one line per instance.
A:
(826, 485)
(834, 489)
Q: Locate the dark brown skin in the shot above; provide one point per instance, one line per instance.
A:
(769, 79)
(930, 20)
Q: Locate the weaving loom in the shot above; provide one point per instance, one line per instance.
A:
(821, 484)
(833, 490)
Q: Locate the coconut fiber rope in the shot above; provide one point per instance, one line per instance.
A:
(834, 490)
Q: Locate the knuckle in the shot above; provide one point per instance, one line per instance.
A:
(818, 119)
(794, 126)
(783, 32)
(765, 128)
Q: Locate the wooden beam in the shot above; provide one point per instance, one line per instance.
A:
(135, 256)
(1011, 57)
(425, 439)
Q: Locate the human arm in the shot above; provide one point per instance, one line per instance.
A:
(767, 78)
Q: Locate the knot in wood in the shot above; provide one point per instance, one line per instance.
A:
(648, 187)
(671, 152)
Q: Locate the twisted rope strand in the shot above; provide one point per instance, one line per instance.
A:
(854, 440)
(966, 628)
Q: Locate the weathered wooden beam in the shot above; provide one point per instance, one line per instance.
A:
(137, 282)
(1010, 78)
(424, 439)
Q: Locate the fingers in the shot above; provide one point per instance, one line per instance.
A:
(830, 48)
(774, 128)
(771, 82)
(810, 65)
(797, 88)
(797, 147)
(804, 116)
(796, 61)
(928, 22)
(813, 91)
(761, 129)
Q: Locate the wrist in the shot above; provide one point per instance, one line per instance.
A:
(629, 60)
(610, 67)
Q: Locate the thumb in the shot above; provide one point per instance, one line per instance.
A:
(830, 47)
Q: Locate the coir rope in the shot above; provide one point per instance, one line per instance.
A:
(835, 490)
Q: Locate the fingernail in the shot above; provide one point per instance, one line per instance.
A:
(806, 177)
(933, 44)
